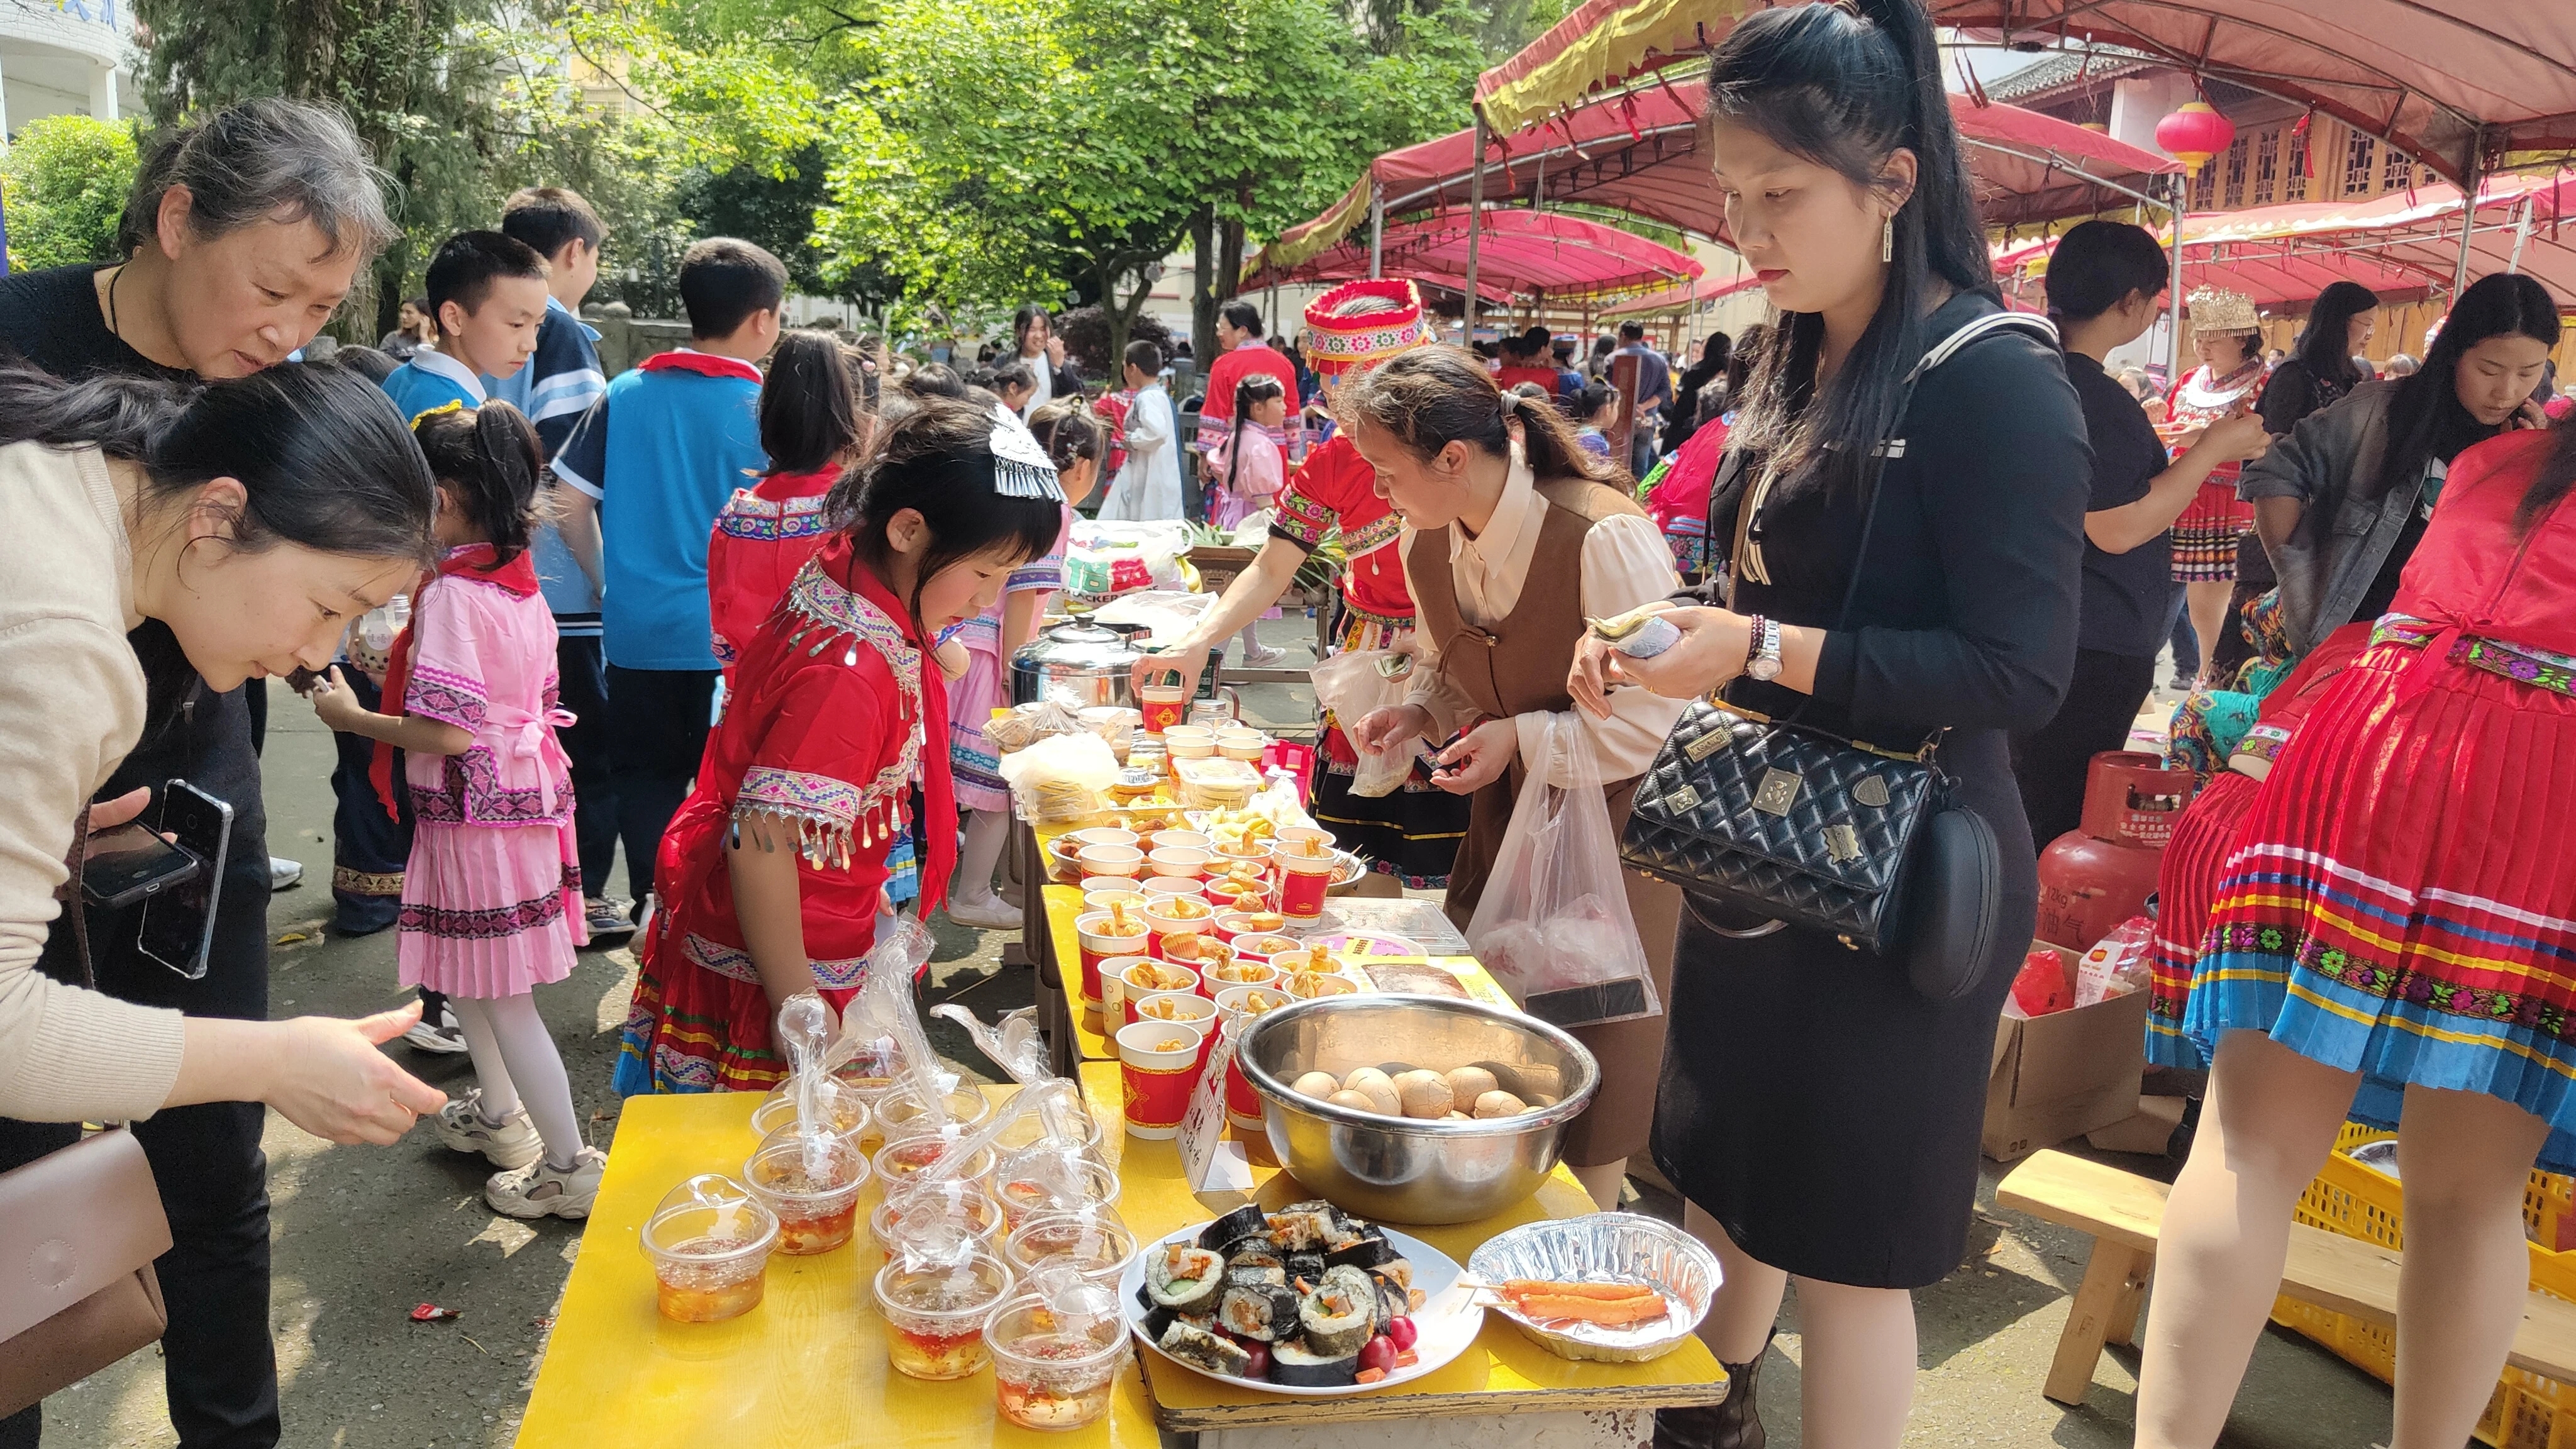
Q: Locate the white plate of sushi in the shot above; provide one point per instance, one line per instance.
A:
(1223, 1298)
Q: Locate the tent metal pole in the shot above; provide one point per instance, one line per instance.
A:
(1377, 232)
(2469, 179)
(1475, 218)
(2173, 295)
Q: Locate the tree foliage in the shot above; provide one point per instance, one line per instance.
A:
(63, 182)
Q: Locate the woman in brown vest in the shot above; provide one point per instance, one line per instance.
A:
(1515, 535)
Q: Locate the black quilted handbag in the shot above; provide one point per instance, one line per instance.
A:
(1803, 826)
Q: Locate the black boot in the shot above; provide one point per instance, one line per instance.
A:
(1735, 1424)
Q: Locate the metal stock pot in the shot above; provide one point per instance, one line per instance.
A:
(1092, 662)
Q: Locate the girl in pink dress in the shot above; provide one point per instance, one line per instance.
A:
(491, 904)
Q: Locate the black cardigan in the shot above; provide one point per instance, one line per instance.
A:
(1965, 616)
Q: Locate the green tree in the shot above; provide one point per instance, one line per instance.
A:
(63, 184)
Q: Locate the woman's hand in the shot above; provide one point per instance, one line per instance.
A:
(109, 814)
(336, 704)
(2529, 415)
(1479, 759)
(2236, 438)
(330, 1080)
(1710, 653)
(1383, 729)
(1188, 659)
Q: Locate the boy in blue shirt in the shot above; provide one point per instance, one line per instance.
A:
(649, 468)
(488, 295)
(558, 386)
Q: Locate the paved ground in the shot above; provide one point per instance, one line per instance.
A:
(363, 1234)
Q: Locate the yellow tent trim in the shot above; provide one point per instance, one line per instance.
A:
(1609, 52)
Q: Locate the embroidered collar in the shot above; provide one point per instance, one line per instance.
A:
(2204, 390)
(826, 608)
(705, 364)
(439, 364)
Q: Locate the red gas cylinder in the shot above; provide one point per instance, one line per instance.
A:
(2100, 873)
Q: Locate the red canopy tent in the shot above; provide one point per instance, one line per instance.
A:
(1688, 297)
(1562, 257)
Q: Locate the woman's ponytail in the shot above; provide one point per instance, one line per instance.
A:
(490, 459)
(1430, 397)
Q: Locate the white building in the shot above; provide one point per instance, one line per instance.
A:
(59, 56)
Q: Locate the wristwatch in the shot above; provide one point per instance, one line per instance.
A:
(1762, 653)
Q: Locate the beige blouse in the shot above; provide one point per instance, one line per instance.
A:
(71, 706)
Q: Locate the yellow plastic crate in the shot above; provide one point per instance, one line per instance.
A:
(2358, 1201)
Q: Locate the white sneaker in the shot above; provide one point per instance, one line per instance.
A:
(284, 873)
(987, 913)
(540, 1190)
(513, 1142)
(442, 1036)
(1262, 656)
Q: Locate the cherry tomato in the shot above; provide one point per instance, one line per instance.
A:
(1403, 1332)
(1378, 1353)
(1259, 1367)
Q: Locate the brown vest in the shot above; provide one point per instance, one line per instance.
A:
(1518, 664)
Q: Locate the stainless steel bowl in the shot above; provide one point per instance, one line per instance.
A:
(1398, 1169)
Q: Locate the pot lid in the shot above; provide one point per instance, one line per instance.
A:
(1080, 646)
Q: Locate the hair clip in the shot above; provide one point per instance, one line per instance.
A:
(1021, 467)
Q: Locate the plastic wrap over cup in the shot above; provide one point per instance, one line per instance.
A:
(709, 1242)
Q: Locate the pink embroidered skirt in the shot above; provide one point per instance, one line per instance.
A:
(489, 911)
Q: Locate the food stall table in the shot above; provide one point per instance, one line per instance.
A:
(808, 1366)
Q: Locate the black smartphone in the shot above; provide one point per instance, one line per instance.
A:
(130, 864)
(179, 923)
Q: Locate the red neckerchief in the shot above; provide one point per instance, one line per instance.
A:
(705, 364)
(519, 576)
(938, 847)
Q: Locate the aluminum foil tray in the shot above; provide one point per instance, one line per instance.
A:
(1605, 1247)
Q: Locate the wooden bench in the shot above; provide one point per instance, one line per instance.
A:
(2123, 1212)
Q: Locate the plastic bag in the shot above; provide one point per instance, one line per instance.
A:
(2117, 964)
(1353, 685)
(2040, 987)
(883, 1008)
(1553, 925)
(1062, 777)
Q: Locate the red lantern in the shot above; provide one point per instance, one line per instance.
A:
(2194, 133)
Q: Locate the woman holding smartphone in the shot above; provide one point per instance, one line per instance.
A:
(1796, 1066)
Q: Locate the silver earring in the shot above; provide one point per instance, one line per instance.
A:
(1887, 240)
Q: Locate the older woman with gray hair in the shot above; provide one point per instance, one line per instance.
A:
(242, 235)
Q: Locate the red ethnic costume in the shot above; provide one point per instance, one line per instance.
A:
(2401, 902)
(1414, 832)
(2205, 535)
(837, 712)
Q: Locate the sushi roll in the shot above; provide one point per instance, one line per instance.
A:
(1201, 1349)
(1304, 1228)
(1255, 1275)
(1294, 1364)
(1157, 1320)
(1339, 1316)
(1264, 1312)
(1306, 1266)
(1243, 1222)
(1182, 1278)
(1366, 1250)
(1395, 1269)
(1254, 1252)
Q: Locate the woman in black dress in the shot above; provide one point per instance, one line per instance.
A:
(1818, 1114)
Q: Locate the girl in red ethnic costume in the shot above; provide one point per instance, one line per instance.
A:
(838, 709)
(491, 903)
(2225, 335)
(811, 428)
(2395, 940)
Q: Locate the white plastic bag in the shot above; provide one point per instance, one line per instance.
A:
(2117, 964)
(1553, 925)
(1354, 684)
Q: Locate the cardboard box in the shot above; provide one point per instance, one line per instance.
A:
(2065, 1074)
(2149, 1132)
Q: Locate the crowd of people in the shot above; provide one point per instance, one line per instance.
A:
(736, 614)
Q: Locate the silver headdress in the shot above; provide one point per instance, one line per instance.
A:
(1021, 467)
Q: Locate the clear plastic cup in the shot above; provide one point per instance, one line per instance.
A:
(1033, 1130)
(1095, 1244)
(843, 1104)
(903, 1158)
(935, 1315)
(1027, 1192)
(899, 1113)
(1050, 1375)
(962, 1203)
(815, 1214)
(709, 1242)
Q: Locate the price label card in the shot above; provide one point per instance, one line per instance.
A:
(1220, 1176)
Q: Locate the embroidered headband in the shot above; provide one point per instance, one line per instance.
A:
(1357, 326)
(1021, 467)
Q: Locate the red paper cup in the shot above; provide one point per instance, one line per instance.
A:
(1179, 1008)
(1302, 885)
(1240, 1101)
(1243, 971)
(1265, 945)
(1130, 991)
(1097, 947)
(1162, 705)
(1113, 992)
(1181, 862)
(1171, 915)
(1156, 1076)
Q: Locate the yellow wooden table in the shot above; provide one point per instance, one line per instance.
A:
(808, 1367)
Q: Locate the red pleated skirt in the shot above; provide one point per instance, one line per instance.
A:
(2186, 887)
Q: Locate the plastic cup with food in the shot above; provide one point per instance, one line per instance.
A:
(1093, 1243)
(709, 1243)
(935, 1314)
(1051, 1373)
(904, 1161)
(963, 1206)
(843, 1106)
(815, 1194)
(1037, 1181)
(899, 1113)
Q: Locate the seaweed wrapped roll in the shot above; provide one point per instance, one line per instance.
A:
(1339, 1316)
(1264, 1311)
(1201, 1349)
(1298, 1366)
(1182, 1278)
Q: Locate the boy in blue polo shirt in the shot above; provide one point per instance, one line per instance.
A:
(488, 294)
(653, 462)
(555, 389)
